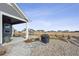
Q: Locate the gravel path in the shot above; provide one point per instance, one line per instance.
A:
(53, 48)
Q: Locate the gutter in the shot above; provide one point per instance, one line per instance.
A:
(20, 11)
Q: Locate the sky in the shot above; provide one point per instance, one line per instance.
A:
(50, 16)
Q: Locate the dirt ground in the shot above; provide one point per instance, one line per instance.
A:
(56, 48)
(37, 48)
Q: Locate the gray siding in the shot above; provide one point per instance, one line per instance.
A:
(4, 7)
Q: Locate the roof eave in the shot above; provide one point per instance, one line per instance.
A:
(19, 11)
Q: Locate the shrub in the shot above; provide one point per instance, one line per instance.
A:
(63, 36)
(28, 41)
(37, 39)
(56, 35)
(68, 37)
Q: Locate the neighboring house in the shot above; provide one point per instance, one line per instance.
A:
(10, 14)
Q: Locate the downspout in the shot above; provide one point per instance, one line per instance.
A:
(27, 32)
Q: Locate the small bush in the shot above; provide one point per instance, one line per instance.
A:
(63, 36)
(68, 37)
(37, 39)
(56, 35)
(28, 41)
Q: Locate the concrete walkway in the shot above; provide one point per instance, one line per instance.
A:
(18, 47)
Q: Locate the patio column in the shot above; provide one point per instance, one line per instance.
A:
(27, 33)
(1, 28)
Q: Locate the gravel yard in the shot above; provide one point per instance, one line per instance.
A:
(53, 48)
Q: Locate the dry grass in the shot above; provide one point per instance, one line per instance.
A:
(19, 34)
(32, 40)
(56, 35)
(28, 41)
(2, 50)
(76, 37)
(69, 37)
(37, 39)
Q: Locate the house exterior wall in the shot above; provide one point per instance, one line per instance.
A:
(4, 7)
(10, 11)
(0, 28)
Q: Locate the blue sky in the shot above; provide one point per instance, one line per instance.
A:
(50, 16)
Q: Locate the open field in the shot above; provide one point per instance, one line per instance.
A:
(56, 35)
(51, 34)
